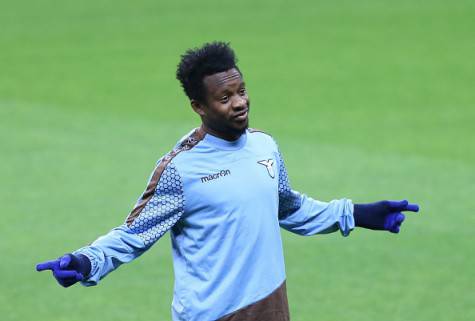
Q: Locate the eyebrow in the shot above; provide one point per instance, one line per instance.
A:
(226, 91)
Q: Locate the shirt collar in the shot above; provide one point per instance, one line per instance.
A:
(220, 143)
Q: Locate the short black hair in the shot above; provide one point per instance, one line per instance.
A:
(196, 63)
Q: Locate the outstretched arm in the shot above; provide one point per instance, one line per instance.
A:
(303, 215)
(159, 208)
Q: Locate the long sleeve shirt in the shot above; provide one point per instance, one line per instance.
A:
(224, 203)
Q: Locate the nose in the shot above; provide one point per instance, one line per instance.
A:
(239, 102)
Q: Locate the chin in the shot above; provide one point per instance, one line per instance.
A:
(242, 129)
(236, 131)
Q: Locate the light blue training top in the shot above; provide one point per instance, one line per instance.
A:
(224, 203)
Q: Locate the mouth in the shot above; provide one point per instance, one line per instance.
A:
(242, 115)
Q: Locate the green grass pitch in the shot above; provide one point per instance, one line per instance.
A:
(368, 100)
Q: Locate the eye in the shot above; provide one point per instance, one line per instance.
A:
(224, 99)
(242, 91)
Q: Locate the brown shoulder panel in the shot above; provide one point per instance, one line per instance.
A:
(274, 307)
(187, 144)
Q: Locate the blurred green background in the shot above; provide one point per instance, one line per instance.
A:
(368, 99)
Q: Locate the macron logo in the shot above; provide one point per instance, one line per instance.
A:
(210, 177)
(269, 164)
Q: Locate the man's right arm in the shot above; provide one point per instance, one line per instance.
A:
(108, 252)
(158, 209)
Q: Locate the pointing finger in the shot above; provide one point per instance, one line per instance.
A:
(398, 205)
(412, 208)
(64, 274)
(48, 265)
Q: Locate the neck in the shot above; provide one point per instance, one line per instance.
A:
(223, 135)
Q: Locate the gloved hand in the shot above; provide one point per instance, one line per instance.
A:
(383, 215)
(68, 269)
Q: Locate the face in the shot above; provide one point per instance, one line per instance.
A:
(225, 110)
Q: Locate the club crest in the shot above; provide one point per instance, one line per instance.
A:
(269, 164)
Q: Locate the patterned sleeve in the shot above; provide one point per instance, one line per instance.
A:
(158, 209)
(163, 209)
(303, 215)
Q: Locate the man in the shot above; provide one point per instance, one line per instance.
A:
(224, 194)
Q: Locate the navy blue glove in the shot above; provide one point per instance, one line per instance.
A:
(67, 269)
(384, 215)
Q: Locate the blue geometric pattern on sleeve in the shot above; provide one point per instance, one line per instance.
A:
(289, 201)
(164, 208)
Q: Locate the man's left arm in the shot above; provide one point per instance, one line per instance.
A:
(303, 215)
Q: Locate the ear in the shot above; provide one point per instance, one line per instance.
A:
(198, 107)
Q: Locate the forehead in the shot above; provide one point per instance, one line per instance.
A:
(222, 80)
